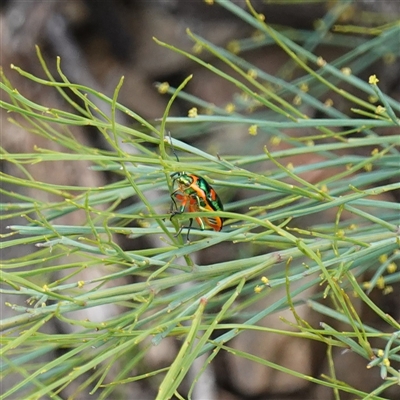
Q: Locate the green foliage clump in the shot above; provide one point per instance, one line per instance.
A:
(213, 309)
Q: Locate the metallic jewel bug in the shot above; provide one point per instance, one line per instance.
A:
(196, 194)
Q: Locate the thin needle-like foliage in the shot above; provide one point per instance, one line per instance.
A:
(279, 250)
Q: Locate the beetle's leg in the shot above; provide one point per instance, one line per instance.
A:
(188, 228)
(200, 222)
(179, 231)
(173, 204)
(174, 207)
(199, 219)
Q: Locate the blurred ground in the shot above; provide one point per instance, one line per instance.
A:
(98, 42)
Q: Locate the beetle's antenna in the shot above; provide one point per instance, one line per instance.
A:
(172, 146)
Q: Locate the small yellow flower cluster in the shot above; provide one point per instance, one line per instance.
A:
(346, 71)
(252, 73)
(230, 108)
(321, 62)
(380, 283)
(163, 87)
(233, 46)
(383, 258)
(373, 80)
(192, 113)
(297, 100)
(324, 188)
(304, 87)
(275, 140)
(253, 130)
(380, 110)
(259, 288)
(368, 167)
(265, 280)
(391, 268)
(197, 48)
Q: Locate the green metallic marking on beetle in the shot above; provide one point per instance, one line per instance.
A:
(196, 193)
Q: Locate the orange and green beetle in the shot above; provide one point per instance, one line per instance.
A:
(195, 193)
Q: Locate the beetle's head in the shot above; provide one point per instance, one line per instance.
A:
(182, 178)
